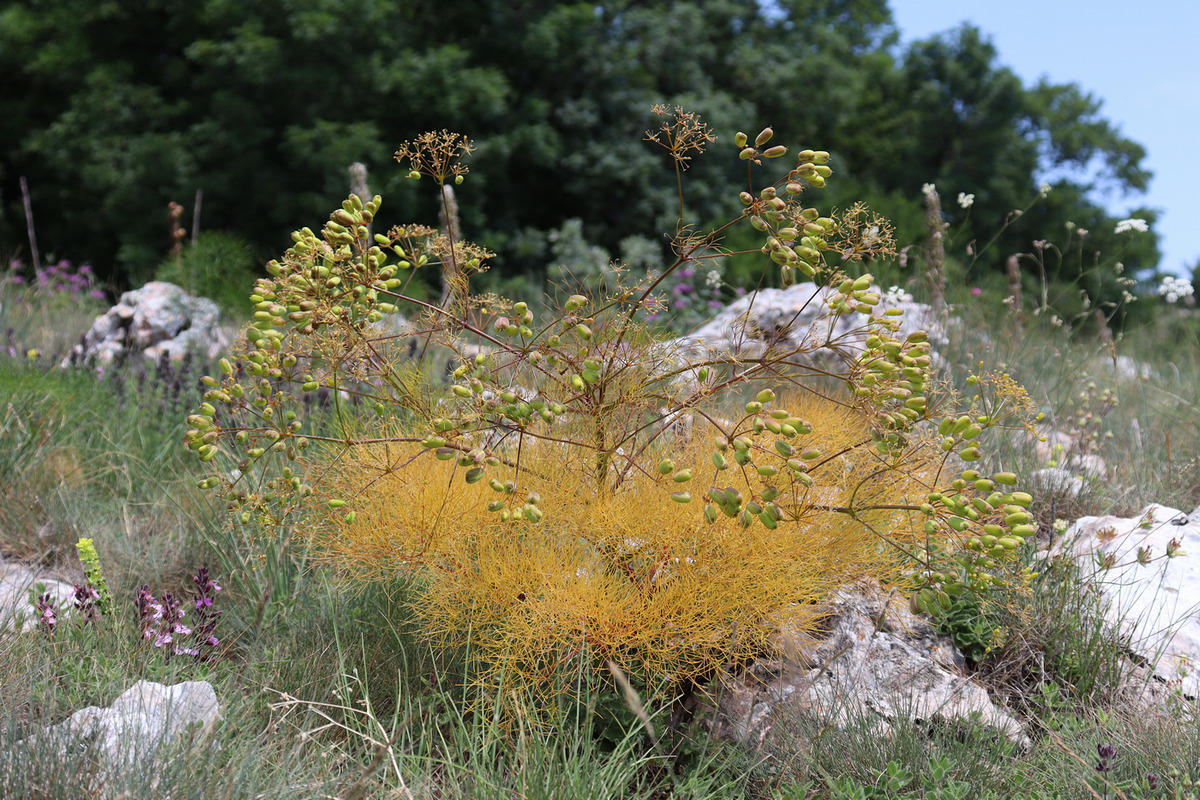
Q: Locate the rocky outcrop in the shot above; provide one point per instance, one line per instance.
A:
(1156, 604)
(876, 661)
(797, 316)
(17, 583)
(158, 319)
(124, 741)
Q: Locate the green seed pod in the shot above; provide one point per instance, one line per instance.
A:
(768, 521)
(710, 514)
(683, 476)
(681, 497)
(666, 466)
(719, 461)
(747, 153)
(958, 523)
(745, 519)
(1024, 531)
(742, 457)
(336, 503)
(775, 152)
(733, 497)
(767, 471)
(473, 475)
(753, 407)
(769, 493)
(1006, 478)
(495, 505)
(812, 454)
(784, 449)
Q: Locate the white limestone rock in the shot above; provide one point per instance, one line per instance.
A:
(16, 582)
(878, 662)
(796, 316)
(156, 320)
(1156, 604)
(123, 742)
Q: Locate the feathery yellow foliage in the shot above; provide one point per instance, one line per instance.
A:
(627, 575)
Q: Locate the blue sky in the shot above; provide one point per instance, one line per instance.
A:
(1141, 59)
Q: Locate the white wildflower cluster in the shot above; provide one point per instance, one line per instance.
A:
(713, 278)
(928, 189)
(966, 200)
(894, 297)
(1044, 189)
(1174, 289)
(1133, 224)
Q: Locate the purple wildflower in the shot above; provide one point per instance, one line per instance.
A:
(206, 616)
(86, 600)
(150, 611)
(47, 613)
(1107, 753)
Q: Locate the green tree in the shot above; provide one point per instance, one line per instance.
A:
(114, 109)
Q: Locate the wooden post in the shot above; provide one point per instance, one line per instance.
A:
(29, 225)
(196, 215)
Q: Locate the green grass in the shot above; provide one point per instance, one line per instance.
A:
(328, 690)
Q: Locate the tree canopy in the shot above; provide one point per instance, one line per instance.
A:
(113, 109)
